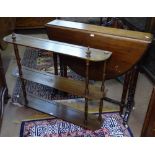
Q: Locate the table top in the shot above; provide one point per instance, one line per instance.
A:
(102, 30)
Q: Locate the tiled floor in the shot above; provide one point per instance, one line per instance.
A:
(14, 114)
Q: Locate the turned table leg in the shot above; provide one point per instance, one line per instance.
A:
(131, 93)
(125, 90)
(65, 70)
(55, 60)
(63, 67)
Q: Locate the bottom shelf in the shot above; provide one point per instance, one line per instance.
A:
(64, 112)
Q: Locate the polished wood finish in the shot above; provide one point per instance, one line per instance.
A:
(64, 112)
(146, 24)
(149, 123)
(127, 47)
(99, 29)
(32, 22)
(75, 87)
(59, 48)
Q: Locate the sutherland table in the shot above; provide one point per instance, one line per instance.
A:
(76, 87)
(127, 47)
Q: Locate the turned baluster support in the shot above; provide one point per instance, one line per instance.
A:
(18, 60)
(88, 54)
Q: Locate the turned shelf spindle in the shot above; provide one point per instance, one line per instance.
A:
(18, 60)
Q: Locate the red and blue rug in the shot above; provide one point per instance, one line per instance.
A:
(53, 127)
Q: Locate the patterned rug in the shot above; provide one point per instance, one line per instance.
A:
(41, 60)
(53, 127)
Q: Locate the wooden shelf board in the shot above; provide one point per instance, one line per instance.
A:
(71, 86)
(63, 112)
(59, 48)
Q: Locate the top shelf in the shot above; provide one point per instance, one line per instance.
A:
(59, 48)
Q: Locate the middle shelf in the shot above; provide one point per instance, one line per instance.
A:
(68, 85)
